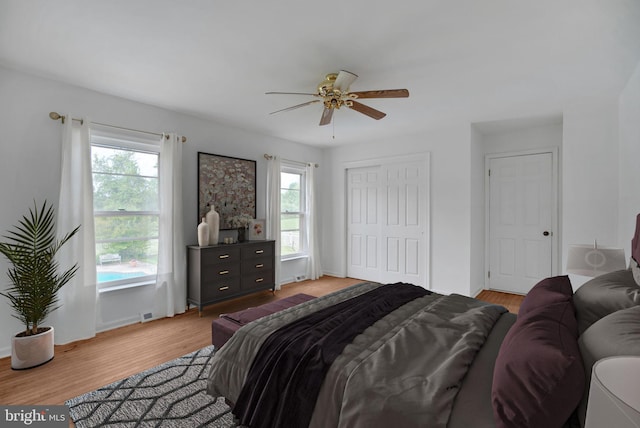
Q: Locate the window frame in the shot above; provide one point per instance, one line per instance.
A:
(297, 169)
(125, 142)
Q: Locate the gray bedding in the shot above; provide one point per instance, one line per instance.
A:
(472, 406)
(408, 369)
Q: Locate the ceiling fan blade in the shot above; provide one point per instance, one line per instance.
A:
(371, 112)
(383, 93)
(327, 114)
(290, 93)
(344, 80)
(296, 106)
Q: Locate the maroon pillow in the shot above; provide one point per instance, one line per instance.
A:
(538, 378)
(548, 291)
(635, 242)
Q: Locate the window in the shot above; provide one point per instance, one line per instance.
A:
(126, 210)
(292, 216)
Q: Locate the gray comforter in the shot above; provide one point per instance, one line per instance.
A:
(404, 370)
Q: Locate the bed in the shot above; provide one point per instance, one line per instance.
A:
(432, 360)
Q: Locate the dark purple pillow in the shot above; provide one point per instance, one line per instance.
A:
(550, 290)
(538, 378)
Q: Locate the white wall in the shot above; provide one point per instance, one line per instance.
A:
(590, 174)
(478, 211)
(30, 166)
(542, 135)
(629, 155)
(450, 193)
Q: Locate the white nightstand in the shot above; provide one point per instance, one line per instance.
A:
(614, 396)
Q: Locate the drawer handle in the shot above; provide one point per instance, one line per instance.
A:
(223, 288)
(259, 279)
(223, 256)
(260, 265)
(259, 251)
(223, 272)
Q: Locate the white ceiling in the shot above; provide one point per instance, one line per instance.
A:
(466, 60)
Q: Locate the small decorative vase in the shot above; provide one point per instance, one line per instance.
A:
(241, 234)
(213, 220)
(203, 233)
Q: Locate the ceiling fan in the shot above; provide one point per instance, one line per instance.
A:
(334, 93)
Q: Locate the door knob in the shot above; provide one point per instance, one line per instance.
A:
(546, 233)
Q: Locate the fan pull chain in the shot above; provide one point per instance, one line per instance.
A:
(333, 124)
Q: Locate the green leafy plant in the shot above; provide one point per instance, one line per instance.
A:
(31, 249)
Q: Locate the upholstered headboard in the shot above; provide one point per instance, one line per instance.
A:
(635, 242)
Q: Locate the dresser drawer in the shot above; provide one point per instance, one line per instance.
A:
(220, 254)
(220, 289)
(260, 249)
(258, 280)
(257, 264)
(220, 271)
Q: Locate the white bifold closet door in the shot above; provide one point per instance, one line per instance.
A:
(387, 215)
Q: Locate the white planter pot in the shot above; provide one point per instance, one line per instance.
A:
(31, 351)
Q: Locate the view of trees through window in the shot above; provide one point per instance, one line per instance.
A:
(292, 213)
(126, 210)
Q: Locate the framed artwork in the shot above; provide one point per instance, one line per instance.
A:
(257, 229)
(229, 184)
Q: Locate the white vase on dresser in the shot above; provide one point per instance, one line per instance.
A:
(213, 220)
(203, 233)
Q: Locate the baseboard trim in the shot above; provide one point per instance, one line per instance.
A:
(118, 323)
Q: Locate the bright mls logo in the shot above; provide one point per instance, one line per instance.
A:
(34, 416)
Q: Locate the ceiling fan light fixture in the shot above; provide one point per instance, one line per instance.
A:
(334, 93)
(326, 87)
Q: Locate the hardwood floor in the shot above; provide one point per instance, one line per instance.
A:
(86, 365)
(510, 301)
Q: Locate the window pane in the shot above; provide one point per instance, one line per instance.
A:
(124, 180)
(289, 222)
(290, 234)
(290, 243)
(141, 250)
(123, 161)
(126, 227)
(288, 179)
(125, 184)
(290, 192)
(292, 207)
(126, 260)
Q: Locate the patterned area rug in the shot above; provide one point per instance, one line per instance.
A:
(172, 394)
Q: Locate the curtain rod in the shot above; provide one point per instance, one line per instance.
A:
(55, 116)
(269, 157)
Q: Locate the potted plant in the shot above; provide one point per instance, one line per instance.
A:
(35, 281)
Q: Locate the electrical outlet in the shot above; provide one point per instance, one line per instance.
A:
(300, 278)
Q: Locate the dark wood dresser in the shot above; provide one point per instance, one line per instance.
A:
(221, 272)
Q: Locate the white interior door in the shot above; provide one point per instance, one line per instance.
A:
(520, 221)
(363, 223)
(387, 222)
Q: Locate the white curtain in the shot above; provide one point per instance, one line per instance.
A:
(273, 211)
(171, 284)
(76, 319)
(314, 268)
